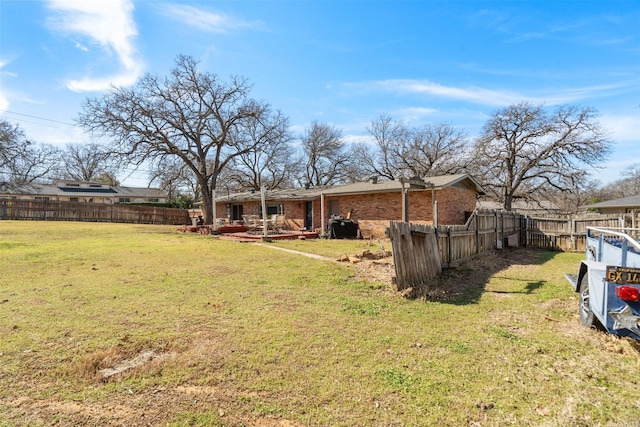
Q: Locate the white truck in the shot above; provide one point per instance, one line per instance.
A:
(608, 281)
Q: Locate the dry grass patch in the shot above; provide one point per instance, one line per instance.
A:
(201, 331)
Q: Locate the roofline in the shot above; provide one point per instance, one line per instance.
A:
(330, 191)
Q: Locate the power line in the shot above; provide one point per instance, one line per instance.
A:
(38, 117)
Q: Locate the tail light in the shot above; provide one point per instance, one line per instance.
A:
(628, 293)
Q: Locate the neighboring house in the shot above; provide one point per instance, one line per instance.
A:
(525, 207)
(78, 191)
(617, 206)
(372, 204)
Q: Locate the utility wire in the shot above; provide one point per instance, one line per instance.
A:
(38, 117)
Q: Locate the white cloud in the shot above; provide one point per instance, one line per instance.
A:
(210, 22)
(487, 97)
(472, 94)
(108, 23)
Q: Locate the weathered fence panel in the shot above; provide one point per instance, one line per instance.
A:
(486, 231)
(45, 210)
(416, 256)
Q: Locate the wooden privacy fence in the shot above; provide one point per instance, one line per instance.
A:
(420, 251)
(486, 231)
(568, 233)
(45, 210)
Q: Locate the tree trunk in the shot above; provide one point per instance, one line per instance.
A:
(207, 210)
(508, 200)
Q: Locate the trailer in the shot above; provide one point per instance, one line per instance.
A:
(608, 281)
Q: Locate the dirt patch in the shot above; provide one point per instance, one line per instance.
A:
(155, 407)
(469, 278)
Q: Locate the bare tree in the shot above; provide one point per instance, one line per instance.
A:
(433, 150)
(628, 185)
(575, 195)
(23, 161)
(35, 162)
(12, 143)
(190, 115)
(401, 150)
(272, 163)
(631, 179)
(173, 176)
(382, 160)
(523, 150)
(325, 157)
(90, 162)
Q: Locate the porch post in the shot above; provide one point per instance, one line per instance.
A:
(264, 210)
(322, 223)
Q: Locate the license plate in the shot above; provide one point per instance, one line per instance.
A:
(623, 275)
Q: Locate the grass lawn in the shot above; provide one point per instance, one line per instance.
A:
(115, 324)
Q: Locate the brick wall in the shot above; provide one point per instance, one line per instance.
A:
(453, 204)
(374, 211)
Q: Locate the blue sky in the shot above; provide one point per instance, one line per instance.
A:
(339, 62)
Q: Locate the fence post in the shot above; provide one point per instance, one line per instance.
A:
(495, 226)
(449, 255)
(502, 228)
(475, 215)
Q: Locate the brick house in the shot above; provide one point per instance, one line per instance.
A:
(372, 204)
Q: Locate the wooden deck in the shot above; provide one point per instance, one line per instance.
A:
(283, 235)
(240, 233)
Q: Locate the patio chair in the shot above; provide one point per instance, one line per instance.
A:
(279, 223)
(252, 222)
(270, 222)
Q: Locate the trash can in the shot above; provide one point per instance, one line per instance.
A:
(343, 229)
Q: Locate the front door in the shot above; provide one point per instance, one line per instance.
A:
(236, 212)
(308, 215)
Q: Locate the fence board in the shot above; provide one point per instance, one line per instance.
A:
(486, 231)
(416, 247)
(46, 210)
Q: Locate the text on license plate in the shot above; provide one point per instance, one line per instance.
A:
(623, 275)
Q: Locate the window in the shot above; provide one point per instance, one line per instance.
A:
(334, 208)
(72, 184)
(95, 185)
(124, 200)
(42, 198)
(74, 199)
(154, 200)
(273, 209)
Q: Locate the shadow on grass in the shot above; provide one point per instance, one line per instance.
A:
(528, 289)
(465, 284)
